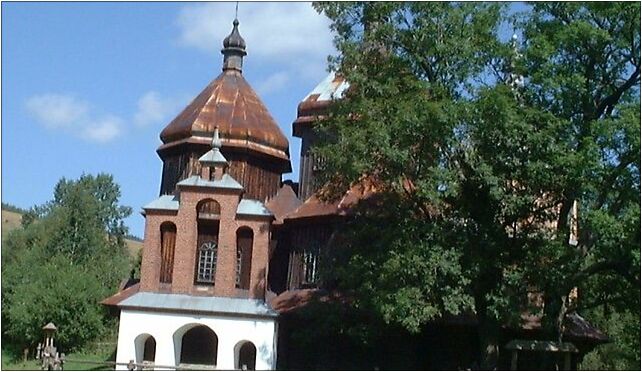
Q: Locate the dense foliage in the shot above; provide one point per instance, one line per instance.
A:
(479, 173)
(67, 257)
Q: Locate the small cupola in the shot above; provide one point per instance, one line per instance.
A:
(233, 49)
(213, 163)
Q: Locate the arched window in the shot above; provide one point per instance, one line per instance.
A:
(199, 345)
(244, 242)
(145, 346)
(208, 209)
(208, 212)
(149, 350)
(245, 356)
(206, 262)
(168, 243)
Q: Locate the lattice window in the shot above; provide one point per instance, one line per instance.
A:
(310, 267)
(207, 262)
(239, 265)
(318, 163)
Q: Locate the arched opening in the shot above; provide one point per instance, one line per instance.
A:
(145, 346)
(208, 213)
(168, 243)
(149, 350)
(244, 243)
(208, 209)
(199, 345)
(245, 356)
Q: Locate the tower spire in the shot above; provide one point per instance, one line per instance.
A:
(233, 48)
(213, 163)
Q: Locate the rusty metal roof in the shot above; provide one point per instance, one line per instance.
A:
(314, 207)
(230, 103)
(314, 106)
(284, 202)
(121, 295)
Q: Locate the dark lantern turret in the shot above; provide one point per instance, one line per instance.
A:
(233, 49)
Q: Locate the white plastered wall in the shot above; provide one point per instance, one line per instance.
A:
(163, 326)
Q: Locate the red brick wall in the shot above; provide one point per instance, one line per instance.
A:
(185, 255)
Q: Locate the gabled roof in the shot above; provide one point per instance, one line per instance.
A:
(315, 207)
(213, 157)
(284, 202)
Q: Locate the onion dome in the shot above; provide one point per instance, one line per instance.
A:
(230, 104)
(250, 139)
(233, 49)
(234, 40)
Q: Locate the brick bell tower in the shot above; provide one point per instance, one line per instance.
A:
(201, 298)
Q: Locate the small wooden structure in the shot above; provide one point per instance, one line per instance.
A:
(566, 348)
(51, 359)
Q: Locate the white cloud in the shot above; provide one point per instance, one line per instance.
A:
(152, 108)
(288, 33)
(273, 83)
(103, 130)
(67, 113)
(57, 110)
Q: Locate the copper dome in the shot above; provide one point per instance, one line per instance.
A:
(230, 104)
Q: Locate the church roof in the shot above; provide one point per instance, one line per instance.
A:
(284, 202)
(226, 182)
(314, 207)
(197, 304)
(165, 202)
(230, 103)
(314, 106)
(250, 207)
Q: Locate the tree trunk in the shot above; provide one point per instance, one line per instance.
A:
(488, 330)
(488, 342)
(555, 309)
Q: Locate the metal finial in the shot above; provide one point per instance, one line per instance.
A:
(216, 140)
(236, 12)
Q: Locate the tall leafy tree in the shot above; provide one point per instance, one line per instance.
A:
(477, 178)
(69, 255)
(582, 62)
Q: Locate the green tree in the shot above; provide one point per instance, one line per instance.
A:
(583, 66)
(476, 180)
(623, 352)
(67, 257)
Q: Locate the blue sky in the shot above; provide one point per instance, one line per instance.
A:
(87, 87)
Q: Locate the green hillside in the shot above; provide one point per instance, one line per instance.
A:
(12, 220)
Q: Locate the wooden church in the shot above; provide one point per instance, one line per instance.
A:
(230, 251)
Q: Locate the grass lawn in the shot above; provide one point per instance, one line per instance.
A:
(11, 362)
